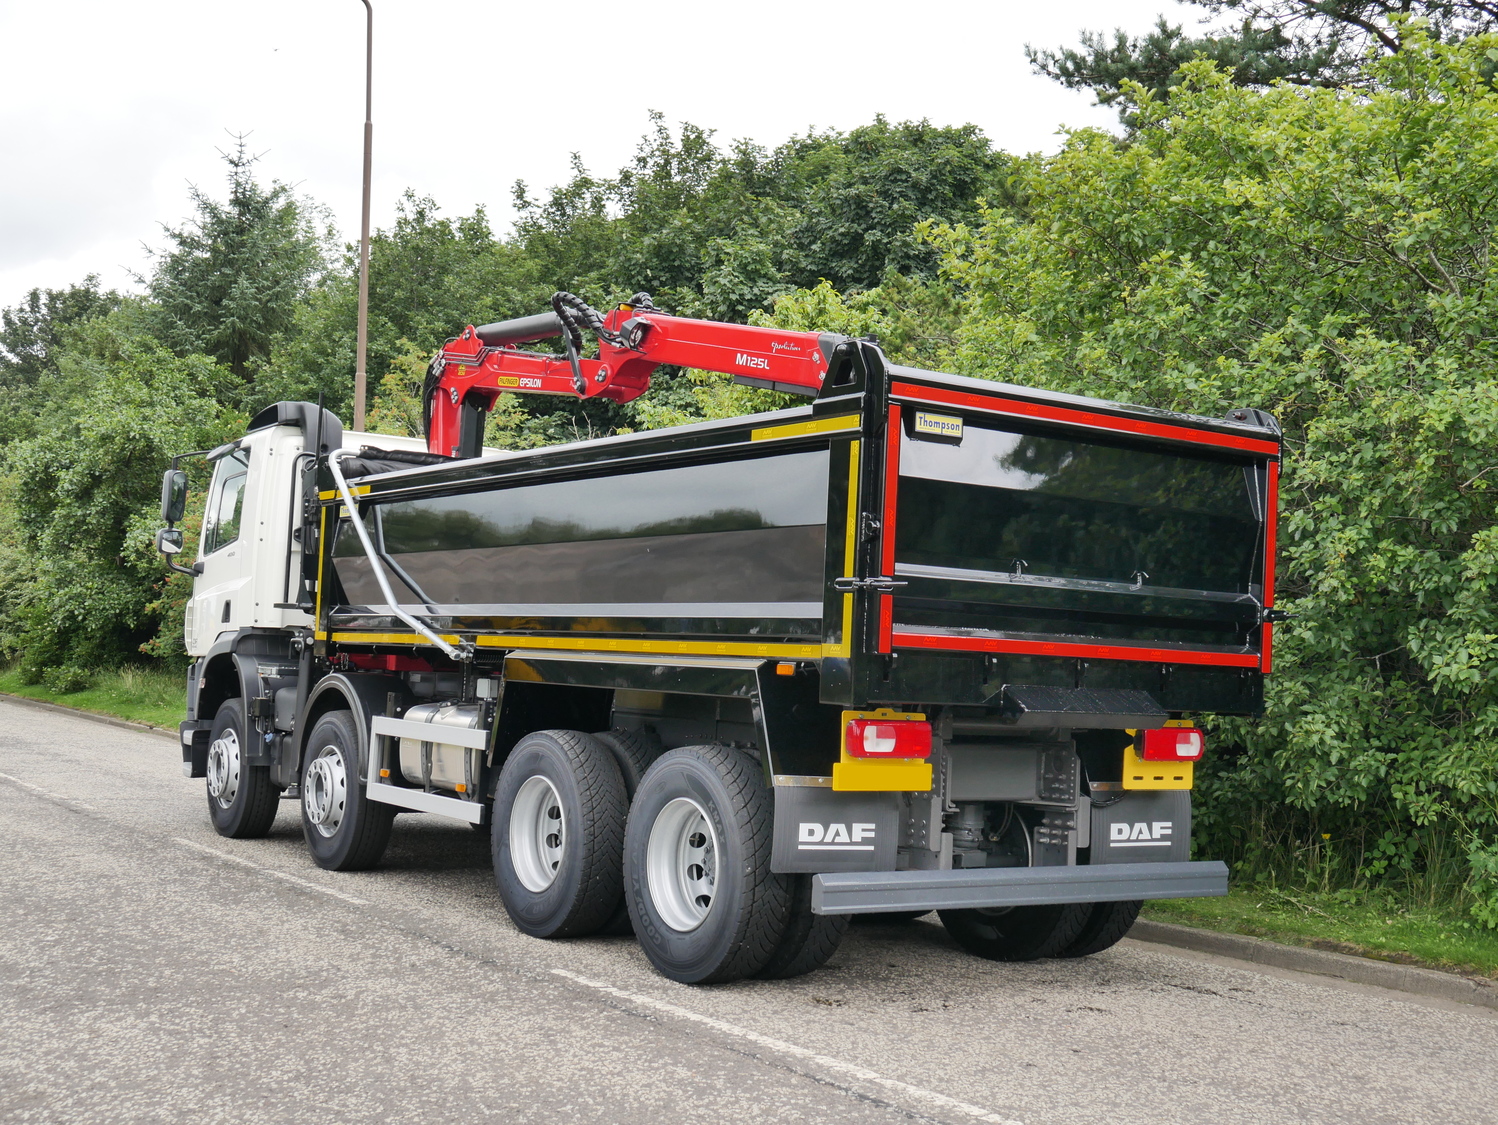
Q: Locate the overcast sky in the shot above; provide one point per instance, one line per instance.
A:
(109, 110)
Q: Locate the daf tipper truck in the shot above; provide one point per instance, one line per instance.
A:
(926, 643)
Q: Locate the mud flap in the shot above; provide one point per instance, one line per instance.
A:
(817, 829)
(1143, 827)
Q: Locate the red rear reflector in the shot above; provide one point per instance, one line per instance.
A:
(886, 738)
(1172, 744)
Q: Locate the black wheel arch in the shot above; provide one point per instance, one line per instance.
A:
(230, 668)
(363, 694)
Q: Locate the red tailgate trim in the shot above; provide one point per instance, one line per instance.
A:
(1271, 520)
(1019, 408)
(1062, 648)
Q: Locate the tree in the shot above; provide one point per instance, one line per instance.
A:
(85, 494)
(230, 283)
(31, 337)
(861, 217)
(1304, 42)
(1323, 254)
(32, 332)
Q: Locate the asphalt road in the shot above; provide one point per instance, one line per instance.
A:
(151, 971)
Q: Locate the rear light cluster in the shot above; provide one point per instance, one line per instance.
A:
(1172, 744)
(885, 738)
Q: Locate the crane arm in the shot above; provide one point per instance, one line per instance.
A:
(482, 363)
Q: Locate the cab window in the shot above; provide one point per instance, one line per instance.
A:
(225, 502)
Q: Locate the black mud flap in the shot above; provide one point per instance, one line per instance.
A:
(194, 734)
(1143, 826)
(817, 829)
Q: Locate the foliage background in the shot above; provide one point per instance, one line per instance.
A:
(1318, 249)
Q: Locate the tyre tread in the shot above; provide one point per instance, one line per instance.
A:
(1105, 927)
(809, 939)
(765, 901)
(370, 835)
(260, 799)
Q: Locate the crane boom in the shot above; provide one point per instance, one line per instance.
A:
(481, 363)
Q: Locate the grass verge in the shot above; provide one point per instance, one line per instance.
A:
(1369, 924)
(142, 695)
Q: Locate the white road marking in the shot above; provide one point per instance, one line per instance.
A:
(51, 796)
(272, 872)
(915, 1093)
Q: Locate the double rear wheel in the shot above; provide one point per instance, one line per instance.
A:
(706, 907)
(1028, 933)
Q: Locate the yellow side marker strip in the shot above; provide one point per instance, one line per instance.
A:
(644, 645)
(802, 429)
(332, 493)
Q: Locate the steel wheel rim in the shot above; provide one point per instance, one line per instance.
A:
(681, 864)
(224, 768)
(325, 792)
(538, 834)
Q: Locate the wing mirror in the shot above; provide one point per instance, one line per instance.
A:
(169, 541)
(174, 499)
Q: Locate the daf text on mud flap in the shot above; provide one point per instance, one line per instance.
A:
(814, 837)
(1142, 834)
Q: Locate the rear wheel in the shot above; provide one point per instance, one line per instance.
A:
(705, 905)
(1017, 933)
(558, 835)
(633, 752)
(1106, 925)
(809, 939)
(242, 802)
(890, 917)
(344, 829)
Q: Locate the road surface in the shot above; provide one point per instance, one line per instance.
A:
(151, 971)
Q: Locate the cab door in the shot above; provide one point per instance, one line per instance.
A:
(221, 593)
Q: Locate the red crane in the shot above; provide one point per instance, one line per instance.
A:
(476, 367)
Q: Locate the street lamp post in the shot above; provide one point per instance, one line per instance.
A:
(360, 378)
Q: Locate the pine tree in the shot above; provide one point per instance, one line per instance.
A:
(231, 280)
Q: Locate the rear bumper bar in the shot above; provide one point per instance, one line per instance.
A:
(874, 892)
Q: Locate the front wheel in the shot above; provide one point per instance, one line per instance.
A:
(344, 829)
(706, 907)
(1017, 933)
(242, 801)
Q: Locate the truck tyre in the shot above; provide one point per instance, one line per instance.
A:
(809, 939)
(1018, 933)
(705, 905)
(242, 801)
(1106, 924)
(890, 917)
(344, 829)
(558, 837)
(633, 752)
